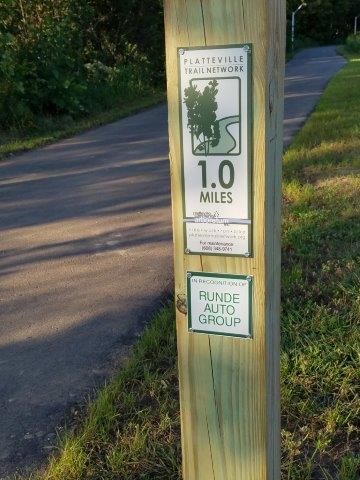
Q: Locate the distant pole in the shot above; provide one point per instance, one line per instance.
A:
(226, 195)
(355, 24)
(293, 24)
(292, 30)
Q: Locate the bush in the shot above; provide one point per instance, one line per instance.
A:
(71, 57)
(353, 43)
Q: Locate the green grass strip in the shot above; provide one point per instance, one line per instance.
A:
(49, 130)
(131, 431)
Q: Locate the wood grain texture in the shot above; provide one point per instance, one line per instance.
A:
(229, 388)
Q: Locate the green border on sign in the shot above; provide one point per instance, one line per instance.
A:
(250, 280)
(249, 142)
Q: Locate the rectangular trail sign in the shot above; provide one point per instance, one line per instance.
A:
(215, 99)
(219, 304)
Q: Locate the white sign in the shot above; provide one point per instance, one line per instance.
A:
(219, 304)
(215, 86)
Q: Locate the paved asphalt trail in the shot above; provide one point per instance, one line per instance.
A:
(306, 78)
(85, 248)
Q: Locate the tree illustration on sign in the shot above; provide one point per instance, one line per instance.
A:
(202, 119)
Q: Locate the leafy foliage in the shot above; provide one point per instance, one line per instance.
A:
(353, 43)
(75, 56)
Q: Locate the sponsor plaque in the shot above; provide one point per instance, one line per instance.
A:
(219, 304)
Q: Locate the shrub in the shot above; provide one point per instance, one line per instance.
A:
(353, 43)
(74, 57)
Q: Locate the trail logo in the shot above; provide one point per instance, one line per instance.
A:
(215, 130)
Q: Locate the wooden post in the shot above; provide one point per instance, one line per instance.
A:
(229, 387)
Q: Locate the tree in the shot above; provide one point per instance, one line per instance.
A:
(191, 101)
(201, 111)
(324, 21)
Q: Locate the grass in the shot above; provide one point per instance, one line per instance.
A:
(131, 430)
(50, 129)
(321, 280)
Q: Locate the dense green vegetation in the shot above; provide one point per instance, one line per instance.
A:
(323, 21)
(75, 57)
(131, 431)
(70, 59)
(353, 43)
